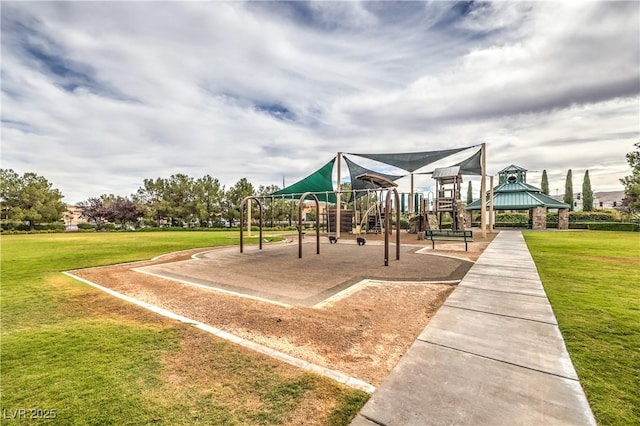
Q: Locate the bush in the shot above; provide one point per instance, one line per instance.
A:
(605, 216)
(580, 225)
(59, 227)
(613, 226)
(10, 228)
(14, 226)
(512, 218)
(86, 226)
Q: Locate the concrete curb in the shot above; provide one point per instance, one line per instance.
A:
(300, 363)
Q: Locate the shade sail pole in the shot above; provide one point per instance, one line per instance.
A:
(339, 198)
(483, 193)
(411, 201)
(491, 218)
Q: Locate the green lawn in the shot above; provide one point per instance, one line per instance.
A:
(68, 347)
(593, 282)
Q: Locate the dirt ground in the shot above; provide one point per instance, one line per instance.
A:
(362, 334)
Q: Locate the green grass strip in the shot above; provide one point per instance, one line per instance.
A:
(592, 280)
(95, 360)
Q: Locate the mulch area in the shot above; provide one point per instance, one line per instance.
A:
(363, 334)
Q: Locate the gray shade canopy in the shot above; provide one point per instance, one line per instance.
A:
(412, 161)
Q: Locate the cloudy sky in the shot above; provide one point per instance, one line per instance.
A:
(98, 96)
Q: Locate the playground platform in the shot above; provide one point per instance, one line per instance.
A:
(492, 355)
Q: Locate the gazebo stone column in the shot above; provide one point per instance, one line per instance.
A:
(563, 218)
(539, 218)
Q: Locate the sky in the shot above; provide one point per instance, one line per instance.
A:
(98, 96)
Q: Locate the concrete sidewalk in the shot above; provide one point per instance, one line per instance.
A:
(492, 355)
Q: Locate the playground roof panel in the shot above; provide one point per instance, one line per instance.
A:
(376, 181)
(445, 172)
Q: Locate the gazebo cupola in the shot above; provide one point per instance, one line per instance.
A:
(512, 174)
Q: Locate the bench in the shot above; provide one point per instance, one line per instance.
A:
(444, 235)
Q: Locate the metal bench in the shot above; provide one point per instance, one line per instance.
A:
(444, 235)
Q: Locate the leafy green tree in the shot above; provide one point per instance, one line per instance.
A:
(346, 195)
(151, 198)
(233, 198)
(587, 193)
(631, 201)
(29, 198)
(180, 196)
(568, 190)
(275, 209)
(545, 183)
(469, 193)
(208, 199)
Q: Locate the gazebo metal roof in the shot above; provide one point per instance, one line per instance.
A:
(518, 195)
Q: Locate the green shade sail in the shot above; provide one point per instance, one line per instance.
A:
(319, 182)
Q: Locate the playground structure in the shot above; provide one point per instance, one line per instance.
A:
(381, 197)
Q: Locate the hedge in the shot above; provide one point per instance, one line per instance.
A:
(613, 226)
(582, 216)
(21, 226)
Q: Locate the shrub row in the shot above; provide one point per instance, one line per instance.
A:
(582, 216)
(21, 226)
(614, 226)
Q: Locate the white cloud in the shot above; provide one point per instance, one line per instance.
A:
(98, 96)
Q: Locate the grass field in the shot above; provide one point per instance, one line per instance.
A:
(593, 282)
(84, 357)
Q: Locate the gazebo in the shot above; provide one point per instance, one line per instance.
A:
(514, 193)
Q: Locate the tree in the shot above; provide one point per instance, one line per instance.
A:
(587, 193)
(94, 210)
(233, 198)
(123, 210)
(208, 199)
(109, 208)
(179, 194)
(275, 209)
(29, 198)
(151, 197)
(545, 183)
(631, 201)
(568, 190)
(469, 194)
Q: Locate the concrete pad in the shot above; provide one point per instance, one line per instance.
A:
(511, 285)
(533, 308)
(276, 274)
(433, 385)
(530, 344)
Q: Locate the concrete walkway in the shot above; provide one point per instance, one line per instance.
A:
(492, 355)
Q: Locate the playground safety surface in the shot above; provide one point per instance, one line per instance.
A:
(342, 308)
(276, 274)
